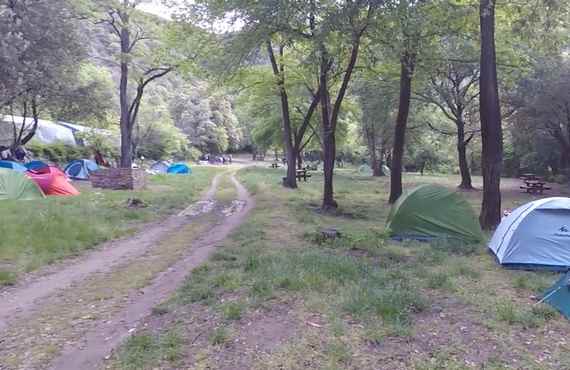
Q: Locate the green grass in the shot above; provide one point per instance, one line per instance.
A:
(363, 290)
(41, 232)
(219, 336)
(146, 351)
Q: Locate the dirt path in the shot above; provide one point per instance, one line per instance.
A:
(105, 333)
(19, 301)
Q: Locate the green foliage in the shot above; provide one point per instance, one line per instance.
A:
(59, 153)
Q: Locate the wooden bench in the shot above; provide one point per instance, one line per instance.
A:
(302, 174)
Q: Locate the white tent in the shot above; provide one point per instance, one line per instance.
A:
(47, 133)
(535, 235)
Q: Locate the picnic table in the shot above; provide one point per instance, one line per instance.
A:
(530, 177)
(534, 186)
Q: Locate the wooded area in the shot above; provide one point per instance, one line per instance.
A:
(382, 83)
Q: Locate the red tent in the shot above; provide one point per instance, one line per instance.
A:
(52, 181)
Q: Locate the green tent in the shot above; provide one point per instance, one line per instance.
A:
(15, 185)
(433, 212)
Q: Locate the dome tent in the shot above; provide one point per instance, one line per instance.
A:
(52, 181)
(15, 185)
(179, 169)
(160, 167)
(13, 166)
(36, 165)
(535, 235)
(80, 169)
(430, 212)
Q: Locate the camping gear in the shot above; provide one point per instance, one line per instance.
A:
(160, 167)
(12, 166)
(35, 165)
(15, 185)
(80, 169)
(430, 212)
(179, 169)
(52, 181)
(535, 236)
(558, 295)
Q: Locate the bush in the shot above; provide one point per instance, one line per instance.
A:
(58, 153)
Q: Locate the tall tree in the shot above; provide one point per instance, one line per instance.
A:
(120, 18)
(376, 100)
(452, 88)
(490, 113)
(39, 55)
(351, 20)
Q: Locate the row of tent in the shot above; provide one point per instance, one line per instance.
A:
(34, 183)
(535, 236)
(167, 168)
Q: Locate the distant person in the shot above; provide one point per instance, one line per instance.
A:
(230, 159)
(100, 160)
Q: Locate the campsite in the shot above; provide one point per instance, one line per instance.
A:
(259, 185)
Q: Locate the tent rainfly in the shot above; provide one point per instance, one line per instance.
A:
(15, 185)
(535, 236)
(430, 212)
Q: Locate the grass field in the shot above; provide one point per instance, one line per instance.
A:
(278, 296)
(40, 232)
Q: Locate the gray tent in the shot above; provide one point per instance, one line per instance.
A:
(535, 235)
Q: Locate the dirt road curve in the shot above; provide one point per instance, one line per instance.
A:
(105, 333)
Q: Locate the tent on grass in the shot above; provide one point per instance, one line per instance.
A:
(365, 170)
(80, 169)
(15, 185)
(52, 181)
(535, 236)
(160, 167)
(558, 295)
(13, 166)
(36, 165)
(430, 212)
(179, 169)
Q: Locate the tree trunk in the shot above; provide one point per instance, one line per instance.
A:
(406, 73)
(299, 159)
(462, 157)
(126, 129)
(291, 180)
(329, 142)
(491, 131)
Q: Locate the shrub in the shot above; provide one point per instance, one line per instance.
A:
(58, 153)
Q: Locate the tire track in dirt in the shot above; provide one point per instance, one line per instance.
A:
(99, 342)
(21, 301)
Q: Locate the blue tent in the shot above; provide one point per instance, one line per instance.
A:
(558, 295)
(535, 236)
(80, 169)
(36, 165)
(13, 166)
(179, 169)
(160, 167)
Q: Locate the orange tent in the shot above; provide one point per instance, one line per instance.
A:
(52, 181)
